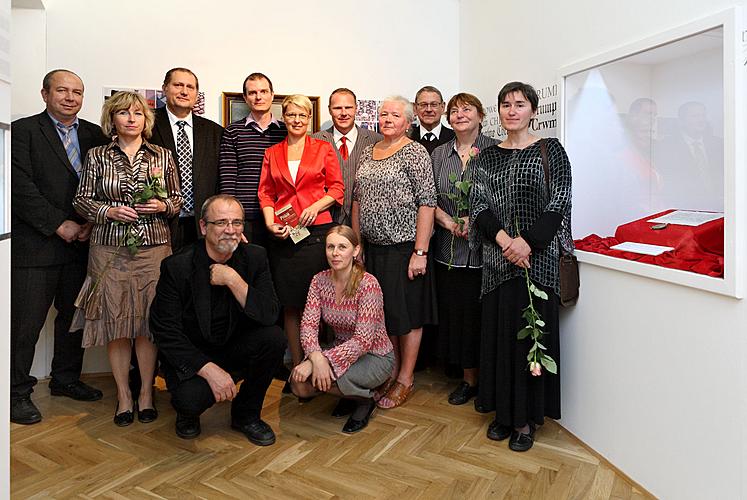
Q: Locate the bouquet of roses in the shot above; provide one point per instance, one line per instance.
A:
(154, 187)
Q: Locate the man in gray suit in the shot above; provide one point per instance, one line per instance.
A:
(349, 141)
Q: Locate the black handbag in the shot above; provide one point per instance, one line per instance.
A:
(568, 263)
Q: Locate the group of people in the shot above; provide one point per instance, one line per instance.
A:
(355, 239)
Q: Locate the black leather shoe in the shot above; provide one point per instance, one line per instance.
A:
(463, 393)
(256, 431)
(345, 407)
(147, 415)
(520, 441)
(123, 419)
(24, 411)
(76, 390)
(352, 425)
(498, 432)
(187, 427)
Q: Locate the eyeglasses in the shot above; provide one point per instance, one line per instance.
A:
(426, 105)
(222, 223)
(296, 116)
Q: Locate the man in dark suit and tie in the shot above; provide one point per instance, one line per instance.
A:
(349, 141)
(49, 244)
(194, 142)
(213, 318)
(429, 107)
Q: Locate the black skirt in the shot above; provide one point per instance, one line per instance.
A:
(459, 309)
(506, 385)
(294, 264)
(408, 304)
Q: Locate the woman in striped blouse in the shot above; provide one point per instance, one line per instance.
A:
(361, 358)
(128, 189)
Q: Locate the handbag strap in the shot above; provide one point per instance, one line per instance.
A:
(546, 166)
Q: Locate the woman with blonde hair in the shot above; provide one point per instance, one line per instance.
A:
(349, 300)
(304, 174)
(128, 189)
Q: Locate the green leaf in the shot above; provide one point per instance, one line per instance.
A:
(540, 345)
(541, 294)
(534, 348)
(533, 288)
(539, 322)
(161, 193)
(549, 364)
(524, 332)
(530, 356)
(452, 177)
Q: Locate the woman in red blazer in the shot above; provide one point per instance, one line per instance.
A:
(303, 173)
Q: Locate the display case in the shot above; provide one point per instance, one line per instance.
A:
(658, 125)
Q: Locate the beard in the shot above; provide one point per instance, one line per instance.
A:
(227, 245)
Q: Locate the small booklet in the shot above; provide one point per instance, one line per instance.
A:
(290, 218)
(642, 248)
(687, 217)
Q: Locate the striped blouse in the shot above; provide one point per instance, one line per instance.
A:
(110, 180)
(446, 162)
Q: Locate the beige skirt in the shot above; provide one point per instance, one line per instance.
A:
(114, 302)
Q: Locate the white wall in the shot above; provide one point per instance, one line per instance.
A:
(110, 43)
(653, 373)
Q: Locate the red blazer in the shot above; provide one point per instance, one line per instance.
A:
(318, 174)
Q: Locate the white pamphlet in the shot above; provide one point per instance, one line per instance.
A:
(642, 248)
(687, 217)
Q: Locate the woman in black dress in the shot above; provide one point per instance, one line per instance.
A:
(522, 219)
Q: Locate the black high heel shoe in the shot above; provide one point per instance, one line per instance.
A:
(147, 415)
(125, 418)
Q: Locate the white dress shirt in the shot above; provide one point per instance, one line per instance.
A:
(436, 131)
(351, 137)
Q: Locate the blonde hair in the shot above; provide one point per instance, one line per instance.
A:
(125, 100)
(298, 100)
(356, 274)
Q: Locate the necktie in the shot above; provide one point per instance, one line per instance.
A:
(184, 157)
(70, 148)
(344, 148)
(429, 136)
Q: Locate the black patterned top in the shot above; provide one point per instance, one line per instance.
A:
(446, 162)
(509, 186)
(390, 191)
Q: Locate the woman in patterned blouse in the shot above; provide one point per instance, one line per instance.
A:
(393, 203)
(522, 218)
(115, 298)
(458, 268)
(349, 300)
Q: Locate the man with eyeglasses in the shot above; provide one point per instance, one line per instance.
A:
(194, 143)
(242, 150)
(213, 321)
(429, 107)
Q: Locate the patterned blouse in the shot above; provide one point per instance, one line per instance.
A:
(391, 190)
(446, 162)
(510, 183)
(110, 180)
(358, 322)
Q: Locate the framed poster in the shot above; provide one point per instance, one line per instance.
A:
(235, 108)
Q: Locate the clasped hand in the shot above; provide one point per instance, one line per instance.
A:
(317, 367)
(516, 251)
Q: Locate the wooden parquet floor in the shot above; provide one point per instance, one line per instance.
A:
(427, 449)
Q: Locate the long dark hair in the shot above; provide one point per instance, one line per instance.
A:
(356, 275)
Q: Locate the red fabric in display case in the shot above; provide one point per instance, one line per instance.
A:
(699, 249)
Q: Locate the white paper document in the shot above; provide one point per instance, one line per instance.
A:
(687, 218)
(642, 248)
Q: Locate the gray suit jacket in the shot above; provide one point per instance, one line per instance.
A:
(349, 167)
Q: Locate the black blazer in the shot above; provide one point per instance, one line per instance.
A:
(180, 311)
(206, 137)
(43, 184)
(446, 135)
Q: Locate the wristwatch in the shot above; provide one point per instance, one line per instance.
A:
(420, 252)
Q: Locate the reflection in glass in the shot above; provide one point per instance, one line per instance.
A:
(646, 134)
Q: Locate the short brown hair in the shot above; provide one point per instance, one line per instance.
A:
(464, 98)
(428, 88)
(170, 73)
(218, 197)
(526, 90)
(125, 100)
(342, 90)
(47, 81)
(256, 76)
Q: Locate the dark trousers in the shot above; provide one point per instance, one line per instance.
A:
(256, 231)
(35, 289)
(250, 355)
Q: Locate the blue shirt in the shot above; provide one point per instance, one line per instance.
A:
(73, 133)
